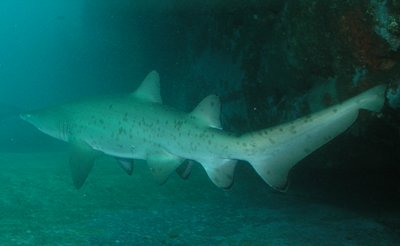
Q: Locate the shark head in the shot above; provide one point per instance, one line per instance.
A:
(49, 122)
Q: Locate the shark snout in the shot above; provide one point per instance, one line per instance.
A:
(30, 118)
(26, 117)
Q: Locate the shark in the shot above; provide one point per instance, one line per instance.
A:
(139, 126)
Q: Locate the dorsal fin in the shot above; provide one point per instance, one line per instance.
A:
(208, 111)
(149, 89)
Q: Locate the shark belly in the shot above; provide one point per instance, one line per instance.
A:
(162, 129)
(139, 126)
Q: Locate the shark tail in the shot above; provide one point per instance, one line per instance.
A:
(276, 150)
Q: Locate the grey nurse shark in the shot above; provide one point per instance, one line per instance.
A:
(139, 126)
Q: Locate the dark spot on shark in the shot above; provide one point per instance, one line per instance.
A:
(125, 119)
(193, 146)
(307, 118)
(178, 124)
(121, 131)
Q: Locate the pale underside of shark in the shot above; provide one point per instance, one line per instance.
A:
(139, 126)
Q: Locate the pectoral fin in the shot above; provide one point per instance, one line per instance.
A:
(81, 162)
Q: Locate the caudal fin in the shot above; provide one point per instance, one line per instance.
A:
(372, 99)
(279, 148)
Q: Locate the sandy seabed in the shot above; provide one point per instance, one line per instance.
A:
(39, 206)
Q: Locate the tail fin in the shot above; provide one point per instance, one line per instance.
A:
(372, 99)
(279, 148)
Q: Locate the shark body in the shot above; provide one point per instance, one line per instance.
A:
(139, 126)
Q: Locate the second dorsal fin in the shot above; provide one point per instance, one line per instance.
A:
(208, 112)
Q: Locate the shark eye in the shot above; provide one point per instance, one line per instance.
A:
(25, 116)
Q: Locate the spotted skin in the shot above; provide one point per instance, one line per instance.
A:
(139, 126)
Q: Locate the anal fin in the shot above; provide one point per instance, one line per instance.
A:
(220, 171)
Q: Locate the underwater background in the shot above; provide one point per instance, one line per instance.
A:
(270, 61)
